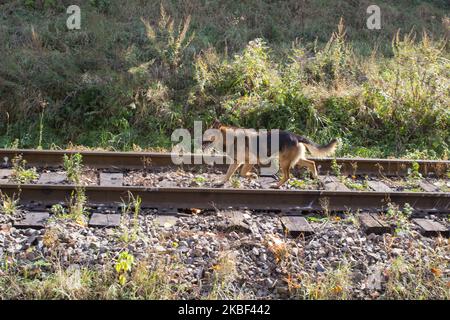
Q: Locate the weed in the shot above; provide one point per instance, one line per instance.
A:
(9, 205)
(58, 210)
(400, 218)
(409, 184)
(43, 105)
(50, 238)
(413, 172)
(170, 42)
(408, 210)
(143, 280)
(134, 204)
(77, 210)
(123, 266)
(382, 98)
(73, 165)
(277, 247)
(325, 205)
(235, 182)
(19, 172)
(152, 281)
(336, 168)
(101, 5)
(317, 219)
(352, 218)
(296, 183)
(354, 168)
(356, 185)
(224, 272)
(199, 181)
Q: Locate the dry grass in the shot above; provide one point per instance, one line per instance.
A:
(333, 284)
(421, 279)
(148, 280)
(418, 274)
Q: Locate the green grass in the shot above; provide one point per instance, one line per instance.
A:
(122, 83)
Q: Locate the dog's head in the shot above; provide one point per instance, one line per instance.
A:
(209, 138)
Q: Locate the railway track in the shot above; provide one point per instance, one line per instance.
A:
(139, 160)
(111, 190)
(170, 204)
(226, 198)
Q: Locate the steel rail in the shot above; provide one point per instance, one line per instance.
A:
(141, 160)
(221, 198)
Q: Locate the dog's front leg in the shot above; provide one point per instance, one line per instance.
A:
(310, 165)
(246, 172)
(231, 170)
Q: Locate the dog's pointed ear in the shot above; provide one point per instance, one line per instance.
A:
(216, 124)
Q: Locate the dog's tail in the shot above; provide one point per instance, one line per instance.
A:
(317, 150)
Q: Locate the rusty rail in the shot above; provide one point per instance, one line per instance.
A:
(141, 160)
(213, 198)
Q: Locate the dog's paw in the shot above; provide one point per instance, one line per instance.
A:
(252, 176)
(274, 186)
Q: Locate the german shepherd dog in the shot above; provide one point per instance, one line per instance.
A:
(292, 151)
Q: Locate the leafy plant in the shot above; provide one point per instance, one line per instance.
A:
(199, 180)
(354, 169)
(134, 205)
(422, 279)
(40, 4)
(317, 219)
(73, 165)
(400, 218)
(9, 205)
(123, 266)
(336, 168)
(296, 183)
(352, 217)
(413, 172)
(77, 210)
(58, 210)
(235, 182)
(19, 172)
(382, 98)
(355, 184)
